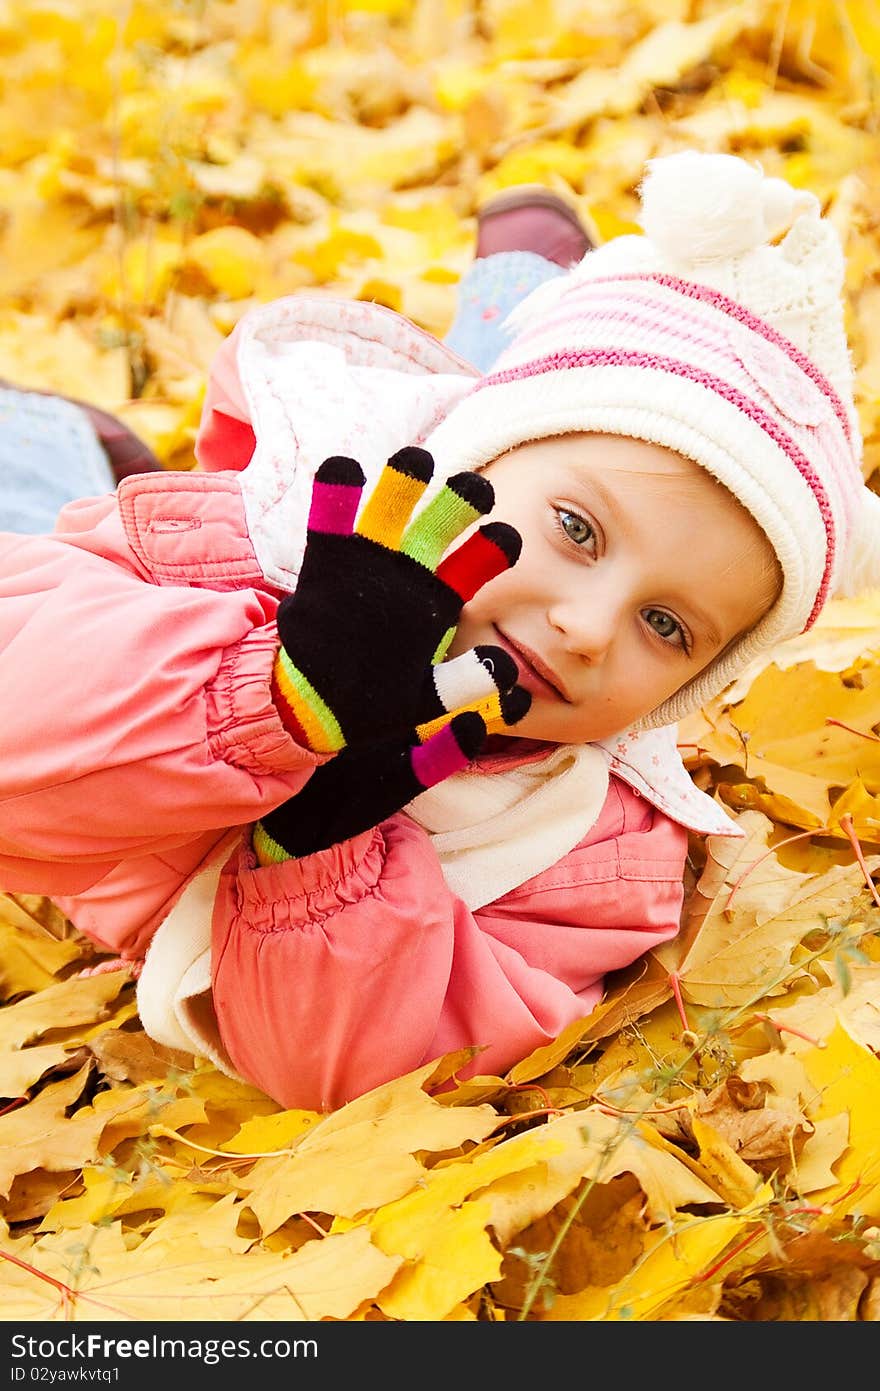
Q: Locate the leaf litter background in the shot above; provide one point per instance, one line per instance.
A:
(706, 1145)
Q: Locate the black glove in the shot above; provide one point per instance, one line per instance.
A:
(361, 674)
(361, 787)
(375, 606)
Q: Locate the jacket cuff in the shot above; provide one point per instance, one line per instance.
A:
(244, 723)
(340, 874)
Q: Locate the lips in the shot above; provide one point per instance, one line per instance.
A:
(534, 674)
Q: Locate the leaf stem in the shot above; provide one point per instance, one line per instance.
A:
(69, 1295)
(846, 825)
(800, 835)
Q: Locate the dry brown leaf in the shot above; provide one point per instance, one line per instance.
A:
(600, 1245)
(126, 1056)
(34, 1194)
(767, 1132)
(787, 1297)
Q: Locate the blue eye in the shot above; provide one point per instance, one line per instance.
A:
(575, 528)
(665, 626)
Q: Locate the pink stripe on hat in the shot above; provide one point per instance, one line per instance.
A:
(613, 357)
(582, 301)
(622, 320)
(602, 311)
(760, 326)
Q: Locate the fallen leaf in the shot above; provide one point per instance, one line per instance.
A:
(363, 1155)
(748, 914)
(62, 1007)
(185, 1280)
(124, 1056)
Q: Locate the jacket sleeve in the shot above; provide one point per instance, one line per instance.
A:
(135, 716)
(335, 973)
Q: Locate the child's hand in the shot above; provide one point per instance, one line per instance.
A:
(362, 786)
(375, 608)
(363, 637)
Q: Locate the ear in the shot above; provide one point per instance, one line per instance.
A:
(861, 569)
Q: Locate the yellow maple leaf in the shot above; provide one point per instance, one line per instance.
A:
(734, 1179)
(845, 1077)
(272, 1133)
(660, 58)
(30, 957)
(798, 734)
(186, 1280)
(861, 809)
(162, 1190)
(231, 258)
(456, 1258)
(839, 1076)
(440, 1229)
(65, 1005)
(37, 352)
(41, 1135)
(363, 1154)
(21, 1069)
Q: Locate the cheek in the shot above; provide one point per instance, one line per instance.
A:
(493, 597)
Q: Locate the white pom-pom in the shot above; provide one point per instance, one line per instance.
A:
(707, 207)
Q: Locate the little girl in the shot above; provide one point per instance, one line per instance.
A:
(243, 724)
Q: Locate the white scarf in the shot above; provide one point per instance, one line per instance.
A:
(491, 833)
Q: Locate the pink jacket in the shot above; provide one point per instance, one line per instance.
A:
(138, 727)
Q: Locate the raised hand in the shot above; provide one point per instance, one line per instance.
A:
(361, 672)
(376, 606)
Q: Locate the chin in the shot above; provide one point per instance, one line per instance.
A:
(537, 726)
(546, 726)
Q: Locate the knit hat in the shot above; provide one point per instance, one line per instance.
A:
(710, 336)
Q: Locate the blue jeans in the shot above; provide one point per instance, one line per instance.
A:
(486, 293)
(50, 454)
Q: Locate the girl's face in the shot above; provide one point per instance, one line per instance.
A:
(637, 569)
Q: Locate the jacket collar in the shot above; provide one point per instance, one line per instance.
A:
(650, 763)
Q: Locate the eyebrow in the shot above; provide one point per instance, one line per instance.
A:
(701, 619)
(608, 500)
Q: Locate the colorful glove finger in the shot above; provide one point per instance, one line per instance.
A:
(375, 607)
(363, 786)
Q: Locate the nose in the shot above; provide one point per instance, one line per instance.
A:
(587, 627)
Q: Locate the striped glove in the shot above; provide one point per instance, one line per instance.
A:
(360, 672)
(376, 606)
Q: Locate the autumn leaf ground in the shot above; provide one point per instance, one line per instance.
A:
(705, 1146)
